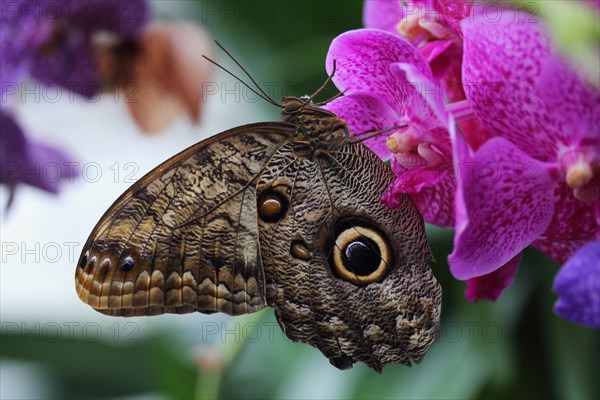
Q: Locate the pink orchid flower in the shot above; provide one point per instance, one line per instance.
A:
(537, 180)
(529, 176)
(432, 26)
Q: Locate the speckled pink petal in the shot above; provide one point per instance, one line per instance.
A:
(574, 105)
(440, 55)
(491, 286)
(573, 224)
(363, 59)
(382, 14)
(417, 179)
(521, 89)
(364, 112)
(431, 189)
(474, 132)
(427, 102)
(504, 201)
(425, 106)
(433, 49)
(436, 204)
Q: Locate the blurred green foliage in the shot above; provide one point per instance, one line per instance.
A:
(513, 348)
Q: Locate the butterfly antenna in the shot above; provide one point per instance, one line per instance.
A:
(265, 95)
(267, 99)
(373, 133)
(323, 86)
(329, 100)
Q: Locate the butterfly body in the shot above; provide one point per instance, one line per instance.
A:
(273, 214)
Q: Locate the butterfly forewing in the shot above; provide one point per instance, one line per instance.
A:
(185, 237)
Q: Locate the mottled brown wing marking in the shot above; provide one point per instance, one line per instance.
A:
(276, 252)
(347, 348)
(190, 226)
(414, 298)
(304, 306)
(393, 320)
(346, 174)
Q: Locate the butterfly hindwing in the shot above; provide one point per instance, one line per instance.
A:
(393, 318)
(185, 237)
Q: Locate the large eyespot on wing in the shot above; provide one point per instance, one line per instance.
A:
(361, 254)
(379, 302)
(185, 237)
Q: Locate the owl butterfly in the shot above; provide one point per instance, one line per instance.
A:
(281, 214)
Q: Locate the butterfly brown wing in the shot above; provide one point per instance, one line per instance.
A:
(393, 319)
(185, 237)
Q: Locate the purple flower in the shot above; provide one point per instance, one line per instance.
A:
(578, 287)
(20, 33)
(31, 163)
(536, 181)
(68, 57)
(385, 80)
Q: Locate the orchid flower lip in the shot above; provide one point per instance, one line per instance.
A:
(579, 170)
(579, 175)
(421, 26)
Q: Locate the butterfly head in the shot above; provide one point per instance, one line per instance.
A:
(315, 124)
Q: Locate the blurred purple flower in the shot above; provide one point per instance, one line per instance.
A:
(578, 287)
(536, 181)
(24, 161)
(387, 83)
(69, 57)
(55, 40)
(20, 33)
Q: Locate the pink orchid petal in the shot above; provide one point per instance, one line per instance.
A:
(504, 201)
(491, 286)
(434, 49)
(363, 60)
(363, 112)
(453, 11)
(474, 132)
(427, 101)
(443, 57)
(417, 179)
(436, 204)
(432, 191)
(575, 103)
(522, 90)
(426, 104)
(382, 14)
(447, 69)
(572, 225)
